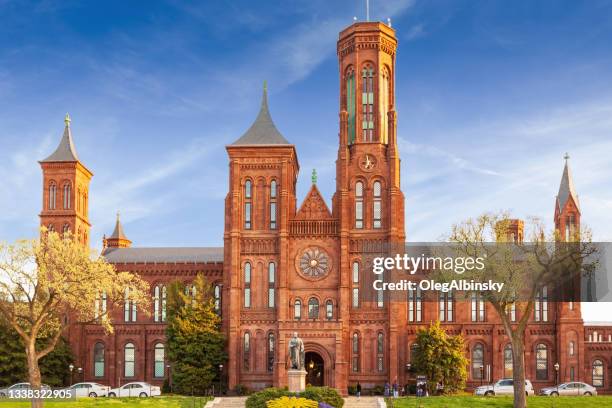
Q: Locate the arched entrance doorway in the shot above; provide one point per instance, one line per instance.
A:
(315, 369)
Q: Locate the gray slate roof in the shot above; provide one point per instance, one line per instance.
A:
(65, 152)
(262, 131)
(164, 255)
(566, 188)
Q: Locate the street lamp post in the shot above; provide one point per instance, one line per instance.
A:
(408, 367)
(481, 374)
(220, 379)
(557, 376)
(169, 367)
(71, 368)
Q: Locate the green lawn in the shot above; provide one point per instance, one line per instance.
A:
(157, 402)
(505, 402)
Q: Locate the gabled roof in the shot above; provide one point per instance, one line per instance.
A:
(313, 207)
(566, 188)
(163, 255)
(65, 152)
(262, 131)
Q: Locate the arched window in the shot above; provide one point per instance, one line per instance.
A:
(217, 292)
(129, 359)
(478, 362)
(359, 204)
(313, 308)
(247, 351)
(415, 305)
(377, 191)
(541, 362)
(329, 310)
(52, 195)
(478, 307)
(541, 305)
(571, 348)
(380, 352)
(66, 229)
(159, 361)
(355, 349)
(355, 301)
(273, 204)
(367, 103)
(445, 306)
(247, 284)
(508, 361)
(129, 307)
(99, 359)
(270, 352)
(271, 280)
(297, 309)
(385, 101)
(100, 304)
(159, 303)
(67, 193)
(598, 373)
(248, 204)
(51, 228)
(350, 104)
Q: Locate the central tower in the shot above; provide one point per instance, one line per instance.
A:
(368, 201)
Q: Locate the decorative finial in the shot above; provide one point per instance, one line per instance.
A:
(67, 119)
(265, 85)
(314, 176)
(354, 18)
(389, 21)
(566, 157)
(118, 216)
(367, 10)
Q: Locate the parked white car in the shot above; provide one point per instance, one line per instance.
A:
(502, 387)
(5, 392)
(570, 388)
(88, 389)
(135, 389)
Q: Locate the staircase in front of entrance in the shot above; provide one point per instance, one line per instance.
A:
(229, 402)
(364, 402)
(349, 402)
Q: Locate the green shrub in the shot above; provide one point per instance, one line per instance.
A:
(352, 389)
(324, 394)
(320, 394)
(242, 389)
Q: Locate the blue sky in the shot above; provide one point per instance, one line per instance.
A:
(490, 95)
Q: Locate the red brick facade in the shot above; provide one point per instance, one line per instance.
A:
(277, 256)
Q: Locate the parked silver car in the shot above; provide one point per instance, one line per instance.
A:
(502, 387)
(569, 388)
(88, 389)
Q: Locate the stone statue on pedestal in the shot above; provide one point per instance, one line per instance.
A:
(296, 352)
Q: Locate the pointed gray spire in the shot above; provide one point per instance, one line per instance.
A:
(118, 232)
(566, 188)
(65, 152)
(262, 131)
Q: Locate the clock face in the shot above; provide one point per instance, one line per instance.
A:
(367, 162)
(313, 262)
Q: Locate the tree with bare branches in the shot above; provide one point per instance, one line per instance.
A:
(526, 268)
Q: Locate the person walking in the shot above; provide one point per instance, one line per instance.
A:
(358, 389)
(395, 389)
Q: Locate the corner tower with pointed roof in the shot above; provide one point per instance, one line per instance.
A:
(263, 170)
(66, 190)
(567, 206)
(118, 239)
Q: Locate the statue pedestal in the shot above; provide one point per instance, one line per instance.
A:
(296, 380)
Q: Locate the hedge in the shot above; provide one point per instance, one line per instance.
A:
(326, 395)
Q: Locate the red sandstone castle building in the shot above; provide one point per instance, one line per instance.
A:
(302, 267)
